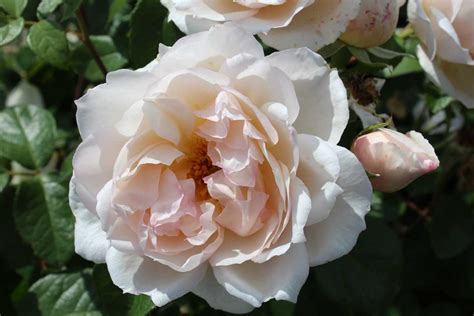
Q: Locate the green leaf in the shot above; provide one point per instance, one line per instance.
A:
(84, 64)
(4, 178)
(44, 219)
(65, 294)
(282, 308)
(27, 135)
(366, 279)
(386, 53)
(10, 29)
(146, 31)
(407, 66)
(49, 43)
(14, 7)
(113, 301)
(386, 207)
(452, 226)
(115, 8)
(49, 6)
(440, 103)
(360, 54)
(141, 305)
(331, 49)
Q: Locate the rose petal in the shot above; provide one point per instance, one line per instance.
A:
(324, 110)
(218, 298)
(90, 240)
(103, 106)
(338, 233)
(280, 278)
(141, 275)
(314, 27)
(454, 79)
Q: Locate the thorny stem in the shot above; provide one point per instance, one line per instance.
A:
(81, 19)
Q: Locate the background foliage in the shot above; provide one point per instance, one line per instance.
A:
(416, 257)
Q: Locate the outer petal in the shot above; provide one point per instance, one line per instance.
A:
(281, 277)
(449, 44)
(463, 23)
(90, 240)
(454, 79)
(319, 169)
(103, 106)
(199, 15)
(217, 296)
(273, 16)
(315, 26)
(337, 235)
(93, 166)
(422, 25)
(207, 49)
(324, 109)
(141, 275)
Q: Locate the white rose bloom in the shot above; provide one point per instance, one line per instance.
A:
(215, 170)
(280, 24)
(446, 30)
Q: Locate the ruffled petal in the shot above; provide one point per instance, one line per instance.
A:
(280, 278)
(324, 109)
(454, 79)
(141, 275)
(90, 241)
(207, 49)
(103, 106)
(314, 27)
(338, 233)
(217, 296)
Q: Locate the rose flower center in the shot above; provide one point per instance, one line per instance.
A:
(200, 166)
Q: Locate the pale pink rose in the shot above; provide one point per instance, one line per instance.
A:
(446, 31)
(280, 24)
(394, 159)
(374, 25)
(215, 170)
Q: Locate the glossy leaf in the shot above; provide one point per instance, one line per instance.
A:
(10, 29)
(49, 43)
(27, 135)
(13, 7)
(44, 219)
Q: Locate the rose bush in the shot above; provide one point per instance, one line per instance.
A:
(215, 170)
(394, 159)
(280, 24)
(446, 31)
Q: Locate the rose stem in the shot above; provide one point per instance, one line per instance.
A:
(80, 16)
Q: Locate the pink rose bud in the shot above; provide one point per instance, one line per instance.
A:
(374, 25)
(395, 159)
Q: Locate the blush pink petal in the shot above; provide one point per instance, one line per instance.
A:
(314, 27)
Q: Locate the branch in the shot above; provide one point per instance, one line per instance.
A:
(81, 19)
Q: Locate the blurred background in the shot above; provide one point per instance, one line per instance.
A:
(416, 257)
